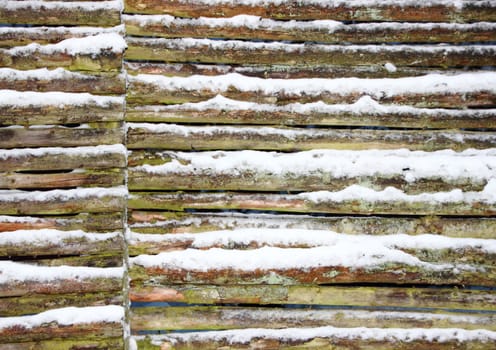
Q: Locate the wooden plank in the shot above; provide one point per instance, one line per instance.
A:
(95, 53)
(60, 136)
(426, 204)
(280, 71)
(103, 14)
(323, 31)
(39, 301)
(366, 296)
(225, 111)
(97, 344)
(61, 158)
(19, 36)
(45, 243)
(309, 171)
(226, 317)
(59, 79)
(102, 259)
(462, 90)
(56, 202)
(149, 222)
(76, 178)
(434, 11)
(200, 138)
(92, 222)
(242, 52)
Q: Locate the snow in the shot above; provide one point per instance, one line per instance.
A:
(10, 74)
(324, 26)
(244, 336)
(12, 98)
(391, 68)
(391, 194)
(314, 238)
(67, 316)
(73, 31)
(45, 237)
(364, 105)
(14, 272)
(92, 45)
(478, 165)
(62, 195)
(376, 88)
(51, 5)
(87, 151)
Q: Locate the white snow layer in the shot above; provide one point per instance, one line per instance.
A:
(10, 74)
(116, 5)
(380, 334)
(12, 98)
(325, 26)
(76, 31)
(44, 237)
(62, 195)
(413, 165)
(364, 105)
(67, 316)
(14, 272)
(86, 151)
(315, 238)
(376, 88)
(92, 45)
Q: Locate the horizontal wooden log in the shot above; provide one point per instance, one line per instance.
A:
(43, 80)
(19, 36)
(225, 111)
(279, 71)
(97, 344)
(309, 171)
(99, 259)
(56, 202)
(60, 158)
(365, 296)
(463, 90)
(435, 11)
(323, 31)
(19, 279)
(199, 138)
(92, 222)
(60, 136)
(408, 205)
(241, 52)
(78, 178)
(219, 318)
(45, 243)
(38, 301)
(177, 222)
(98, 53)
(335, 338)
(104, 14)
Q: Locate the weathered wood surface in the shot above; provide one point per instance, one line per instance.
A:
(104, 13)
(199, 138)
(459, 91)
(308, 171)
(42, 80)
(19, 36)
(92, 222)
(76, 178)
(255, 28)
(92, 200)
(150, 222)
(298, 203)
(323, 338)
(366, 296)
(60, 136)
(96, 344)
(436, 11)
(241, 52)
(279, 71)
(63, 158)
(40, 301)
(234, 112)
(226, 317)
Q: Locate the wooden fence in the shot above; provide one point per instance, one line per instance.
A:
(267, 174)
